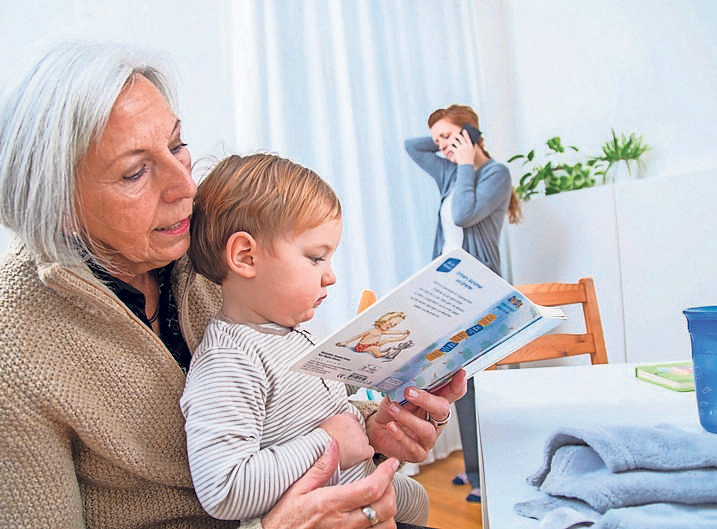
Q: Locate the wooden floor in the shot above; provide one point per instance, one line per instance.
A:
(449, 508)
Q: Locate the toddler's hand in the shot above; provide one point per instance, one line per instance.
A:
(352, 440)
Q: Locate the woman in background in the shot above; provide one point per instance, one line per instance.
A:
(476, 194)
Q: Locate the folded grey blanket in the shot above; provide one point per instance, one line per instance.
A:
(567, 514)
(619, 474)
(623, 448)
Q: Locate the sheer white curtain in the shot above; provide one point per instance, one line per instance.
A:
(337, 86)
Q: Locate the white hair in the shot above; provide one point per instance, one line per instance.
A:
(47, 122)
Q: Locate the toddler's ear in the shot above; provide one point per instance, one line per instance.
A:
(240, 250)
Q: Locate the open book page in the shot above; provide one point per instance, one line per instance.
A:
(454, 313)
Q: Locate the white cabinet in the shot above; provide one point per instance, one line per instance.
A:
(650, 244)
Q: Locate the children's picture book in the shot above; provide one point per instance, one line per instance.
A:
(677, 376)
(454, 313)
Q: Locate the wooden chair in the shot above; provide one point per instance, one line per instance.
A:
(561, 345)
(368, 298)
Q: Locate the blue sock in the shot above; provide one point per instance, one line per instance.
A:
(460, 479)
(474, 496)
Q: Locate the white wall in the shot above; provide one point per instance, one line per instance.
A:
(191, 32)
(579, 68)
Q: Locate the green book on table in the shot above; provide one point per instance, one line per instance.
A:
(677, 376)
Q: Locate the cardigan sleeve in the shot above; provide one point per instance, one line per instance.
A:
(424, 151)
(477, 194)
(39, 484)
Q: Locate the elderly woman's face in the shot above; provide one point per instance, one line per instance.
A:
(134, 186)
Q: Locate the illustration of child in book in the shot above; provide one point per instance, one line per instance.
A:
(379, 335)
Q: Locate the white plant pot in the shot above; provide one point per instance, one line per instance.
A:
(619, 173)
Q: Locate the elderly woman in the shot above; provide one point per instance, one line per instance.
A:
(101, 310)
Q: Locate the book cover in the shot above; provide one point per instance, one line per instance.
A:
(677, 376)
(454, 313)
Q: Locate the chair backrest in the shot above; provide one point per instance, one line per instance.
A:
(368, 298)
(558, 345)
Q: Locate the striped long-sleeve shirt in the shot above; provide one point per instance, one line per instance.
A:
(253, 425)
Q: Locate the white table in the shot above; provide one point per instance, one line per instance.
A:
(518, 409)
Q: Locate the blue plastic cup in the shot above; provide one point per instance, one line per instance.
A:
(702, 324)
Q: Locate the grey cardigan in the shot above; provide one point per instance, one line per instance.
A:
(480, 201)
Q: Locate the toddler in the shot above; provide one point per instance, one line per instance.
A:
(265, 229)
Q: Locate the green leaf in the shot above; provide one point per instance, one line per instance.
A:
(554, 144)
(552, 190)
(623, 147)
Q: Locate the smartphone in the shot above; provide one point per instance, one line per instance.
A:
(473, 132)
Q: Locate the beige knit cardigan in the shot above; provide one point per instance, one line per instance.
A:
(91, 434)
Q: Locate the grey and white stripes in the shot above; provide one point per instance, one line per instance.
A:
(253, 425)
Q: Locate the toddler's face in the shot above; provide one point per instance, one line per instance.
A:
(296, 274)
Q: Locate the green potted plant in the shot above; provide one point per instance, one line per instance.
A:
(556, 174)
(622, 150)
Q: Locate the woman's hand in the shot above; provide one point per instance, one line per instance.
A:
(353, 443)
(463, 148)
(307, 504)
(404, 432)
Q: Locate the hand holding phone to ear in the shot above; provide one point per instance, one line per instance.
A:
(473, 133)
(464, 145)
